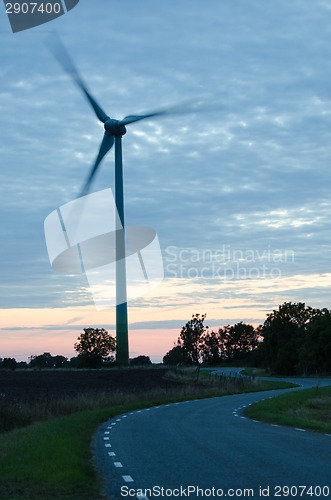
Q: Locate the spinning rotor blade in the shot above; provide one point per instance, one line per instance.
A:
(106, 144)
(60, 53)
(210, 103)
(136, 118)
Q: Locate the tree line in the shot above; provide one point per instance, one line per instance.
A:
(95, 348)
(196, 344)
(295, 339)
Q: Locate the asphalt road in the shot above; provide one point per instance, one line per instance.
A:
(207, 449)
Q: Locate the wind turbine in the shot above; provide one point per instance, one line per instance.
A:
(114, 130)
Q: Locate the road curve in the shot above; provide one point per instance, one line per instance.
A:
(208, 449)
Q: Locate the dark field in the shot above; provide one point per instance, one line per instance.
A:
(29, 396)
(29, 386)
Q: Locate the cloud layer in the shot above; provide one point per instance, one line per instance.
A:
(252, 175)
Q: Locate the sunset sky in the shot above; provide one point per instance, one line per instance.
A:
(238, 195)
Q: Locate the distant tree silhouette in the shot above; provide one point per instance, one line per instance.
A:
(46, 360)
(213, 351)
(73, 362)
(229, 343)
(191, 337)
(175, 356)
(284, 337)
(8, 364)
(93, 347)
(315, 353)
(60, 361)
(239, 340)
(140, 361)
(41, 361)
(21, 365)
(196, 343)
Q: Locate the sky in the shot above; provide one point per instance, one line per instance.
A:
(238, 193)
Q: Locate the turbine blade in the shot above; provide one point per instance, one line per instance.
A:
(62, 56)
(106, 144)
(210, 103)
(136, 118)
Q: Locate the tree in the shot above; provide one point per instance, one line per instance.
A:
(93, 347)
(60, 361)
(211, 349)
(73, 362)
(191, 337)
(21, 365)
(195, 343)
(229, 343)
(140, 361)
(175, 356)
(240, 340)
(315, 353)
(284, 333)
(46, 360)
(42, 361)
(8, 364)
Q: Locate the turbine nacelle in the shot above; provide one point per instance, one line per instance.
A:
(114, 127)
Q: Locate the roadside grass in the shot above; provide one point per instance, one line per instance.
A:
(53, 458)
(306, 409)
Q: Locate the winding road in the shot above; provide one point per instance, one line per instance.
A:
(208, 449)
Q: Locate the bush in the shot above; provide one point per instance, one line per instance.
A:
(140, 361)
(8, 364)
(176, 356)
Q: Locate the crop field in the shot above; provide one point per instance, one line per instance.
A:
(38, 385)
(27, 396)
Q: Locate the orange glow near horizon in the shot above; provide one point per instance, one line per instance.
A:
(22, 344)
(24, 332)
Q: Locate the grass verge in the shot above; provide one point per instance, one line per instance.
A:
(53, 459)
(305, 409)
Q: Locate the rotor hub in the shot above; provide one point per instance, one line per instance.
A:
(114, 127)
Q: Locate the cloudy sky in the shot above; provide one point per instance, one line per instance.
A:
(238, 195)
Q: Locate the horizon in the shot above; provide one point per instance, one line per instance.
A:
(238, 196)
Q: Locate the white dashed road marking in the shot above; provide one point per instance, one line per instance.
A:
(128, 479)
